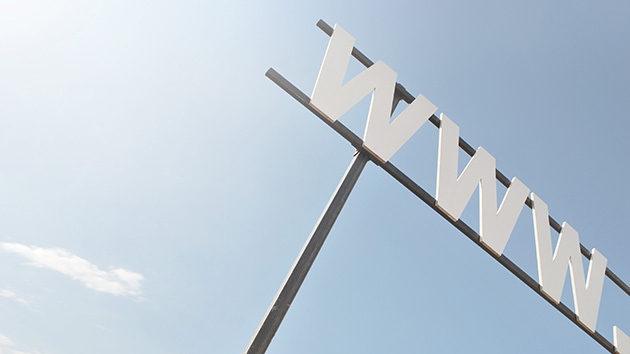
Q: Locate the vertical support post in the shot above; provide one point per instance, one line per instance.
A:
(275, 314)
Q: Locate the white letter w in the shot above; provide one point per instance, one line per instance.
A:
(552, 266)
(333, 99)
(453, 193)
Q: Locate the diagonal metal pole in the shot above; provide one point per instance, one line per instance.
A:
(275, 314)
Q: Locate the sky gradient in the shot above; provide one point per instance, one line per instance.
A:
(156, 187)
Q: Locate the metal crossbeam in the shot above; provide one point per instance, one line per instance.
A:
(408, 97)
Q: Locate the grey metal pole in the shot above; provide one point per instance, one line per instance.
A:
(281, 303)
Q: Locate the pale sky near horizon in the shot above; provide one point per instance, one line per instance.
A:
(156, 187)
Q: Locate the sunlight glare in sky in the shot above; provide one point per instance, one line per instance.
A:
(28, 23)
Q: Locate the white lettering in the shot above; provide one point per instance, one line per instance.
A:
(383, 137)
(621, 340)
(332, 99)
(453, 193)
(552, 269)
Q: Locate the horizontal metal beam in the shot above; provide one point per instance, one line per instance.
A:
(408, 97)
(413, 187)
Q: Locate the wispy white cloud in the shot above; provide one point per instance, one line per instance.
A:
(9, 347)
(6, 341)
(116, 281)
(10, 294)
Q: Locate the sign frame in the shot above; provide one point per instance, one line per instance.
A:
(282, 301)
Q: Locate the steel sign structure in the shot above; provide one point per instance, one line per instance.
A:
(330, 100)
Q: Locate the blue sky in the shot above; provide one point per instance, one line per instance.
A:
(156, 187)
